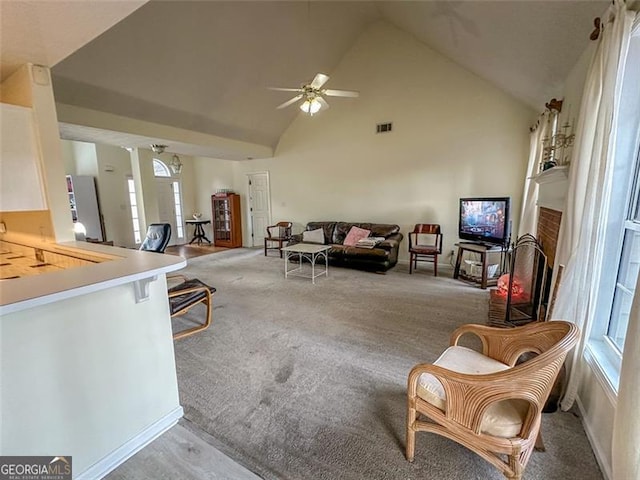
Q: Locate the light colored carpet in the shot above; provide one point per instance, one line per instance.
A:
(302, 381)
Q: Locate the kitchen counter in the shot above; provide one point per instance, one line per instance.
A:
(88, 365)
(105, 267)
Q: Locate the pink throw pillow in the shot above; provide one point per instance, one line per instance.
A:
(355, 235)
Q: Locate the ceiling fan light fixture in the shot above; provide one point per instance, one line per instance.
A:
(311, 106)
(157, 148)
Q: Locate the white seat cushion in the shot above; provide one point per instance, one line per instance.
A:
(502, 419)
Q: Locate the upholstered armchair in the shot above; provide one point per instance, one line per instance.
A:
(157, 238)
(487, 401)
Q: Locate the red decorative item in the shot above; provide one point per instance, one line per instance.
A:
(503, 286)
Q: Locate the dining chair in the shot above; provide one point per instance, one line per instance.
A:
(425, 244)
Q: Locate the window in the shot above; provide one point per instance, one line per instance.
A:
(627, 275)
(178, 206)
(134, 211)
(621, 237)
(160, 169)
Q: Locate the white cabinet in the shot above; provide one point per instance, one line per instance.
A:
(21, 186)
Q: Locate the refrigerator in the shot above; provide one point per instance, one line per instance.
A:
(83, 201)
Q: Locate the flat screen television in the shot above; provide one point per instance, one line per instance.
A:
(485, 220)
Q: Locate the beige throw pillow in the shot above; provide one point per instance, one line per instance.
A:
(313, 236)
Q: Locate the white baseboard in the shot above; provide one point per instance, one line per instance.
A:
(121, 454)
(601, 458)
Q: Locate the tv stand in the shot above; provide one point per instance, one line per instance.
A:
(482, 250)
(481, 244)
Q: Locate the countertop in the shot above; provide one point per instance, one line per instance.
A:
(127, 266)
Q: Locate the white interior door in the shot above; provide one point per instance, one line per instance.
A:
(259, 207)
(167, 208)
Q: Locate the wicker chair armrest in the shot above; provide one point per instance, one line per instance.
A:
(469, 396)
(503, 344)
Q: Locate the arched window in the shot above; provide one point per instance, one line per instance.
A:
(160, 169)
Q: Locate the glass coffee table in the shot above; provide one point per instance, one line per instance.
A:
(306, 251)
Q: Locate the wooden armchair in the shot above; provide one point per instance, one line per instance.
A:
(278, 233)
(485, 401)
(186, 295)
(425, 244)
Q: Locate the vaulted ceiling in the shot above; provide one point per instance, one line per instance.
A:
(205, 65)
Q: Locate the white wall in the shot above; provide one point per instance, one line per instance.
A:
(68, 157)
(147, 186)
(114, 168)
(85, 158)
(99, 370)
(111, 166)
(209, 175)
(188, 193)
(227, 147)
(454, 135)
(31, 86)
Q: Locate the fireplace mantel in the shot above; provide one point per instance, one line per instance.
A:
(552, 187)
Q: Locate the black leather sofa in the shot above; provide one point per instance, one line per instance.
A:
(378, 259)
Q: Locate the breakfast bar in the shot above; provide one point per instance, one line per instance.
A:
(87, 356)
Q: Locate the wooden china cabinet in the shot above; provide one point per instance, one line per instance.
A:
(227, 223)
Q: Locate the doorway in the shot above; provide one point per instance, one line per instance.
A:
(169, 199)
(259, 207)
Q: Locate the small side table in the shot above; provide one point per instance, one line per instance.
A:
(482, 250)
(198, 233)
(309, 252)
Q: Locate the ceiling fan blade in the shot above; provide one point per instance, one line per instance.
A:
(289, 102)
(341, 93)
(285, 89)
(319, 80)
(322, 102)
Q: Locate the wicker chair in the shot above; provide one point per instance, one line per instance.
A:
(487, 402)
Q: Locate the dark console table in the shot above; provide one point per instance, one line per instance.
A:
(482, 250)
(198, 233)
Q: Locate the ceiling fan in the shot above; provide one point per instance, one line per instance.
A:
(313, 95)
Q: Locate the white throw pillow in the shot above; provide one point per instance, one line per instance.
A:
(313, 236)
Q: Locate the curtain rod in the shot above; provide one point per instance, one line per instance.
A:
(597, 23)
(596, 32)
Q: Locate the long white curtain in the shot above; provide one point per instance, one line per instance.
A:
(529, 213)
(580, 246)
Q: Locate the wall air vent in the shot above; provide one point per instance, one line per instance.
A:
(383, 127)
